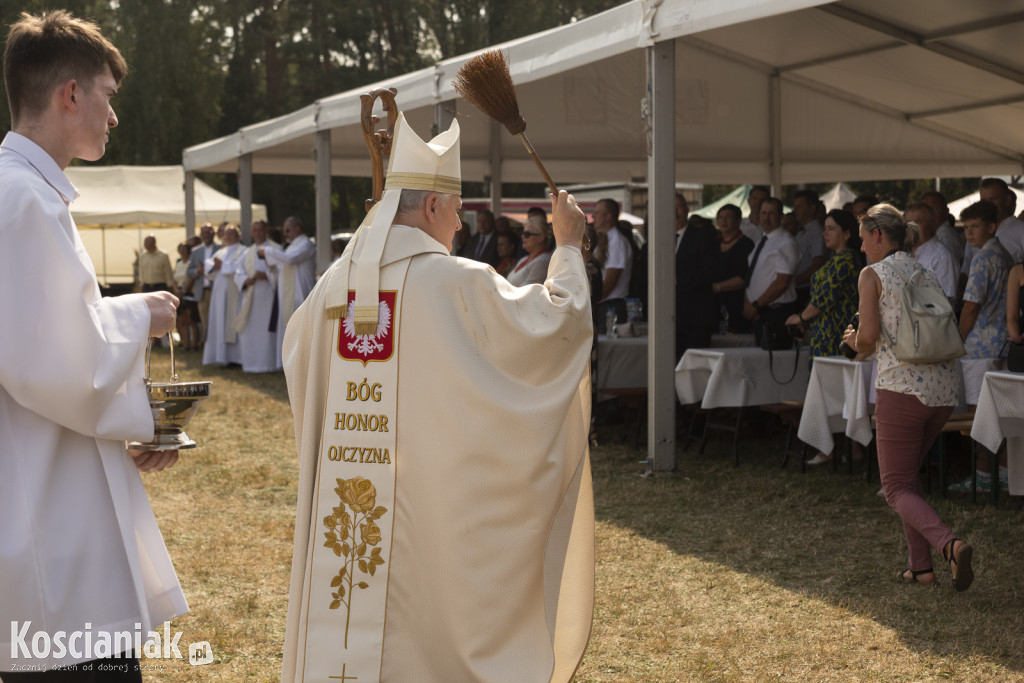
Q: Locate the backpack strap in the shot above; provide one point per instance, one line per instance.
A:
(888, 337)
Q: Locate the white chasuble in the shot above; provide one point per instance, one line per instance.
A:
(354, 499)
(481, 508)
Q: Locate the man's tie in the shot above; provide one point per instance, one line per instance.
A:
(753, 261)
(480, 246)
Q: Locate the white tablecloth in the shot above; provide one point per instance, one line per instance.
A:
(739, 377)
(972, 372)
(839, 399)
(622, 362)
(1000, 415)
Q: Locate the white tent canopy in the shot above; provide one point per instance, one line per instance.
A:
(765, 92)
(147, 200)
(131, 195)
(960, 204)
(848, 90)
(838, 196)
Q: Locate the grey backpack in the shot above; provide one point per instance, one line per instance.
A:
(928, 331)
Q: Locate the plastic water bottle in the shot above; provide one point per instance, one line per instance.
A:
(634, 309)
(723, 321)
(610, 320)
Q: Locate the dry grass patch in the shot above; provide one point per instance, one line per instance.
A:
(720, 574)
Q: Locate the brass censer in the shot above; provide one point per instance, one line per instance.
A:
(173, 404)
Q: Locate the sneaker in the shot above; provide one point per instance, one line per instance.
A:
(820, 459)
(984, 485)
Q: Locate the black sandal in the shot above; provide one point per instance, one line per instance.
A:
(959, 564)
(914, 573)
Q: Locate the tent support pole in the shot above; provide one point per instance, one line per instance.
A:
(496, 168)
(323, 200)
(775, 132)
(661, 180)
(444, 114)
(190, 203)
(245, 195)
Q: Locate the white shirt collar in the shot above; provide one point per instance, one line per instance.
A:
(38, 158)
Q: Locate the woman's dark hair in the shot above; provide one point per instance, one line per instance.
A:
(847, 222)
(733, 209)
(513, 240)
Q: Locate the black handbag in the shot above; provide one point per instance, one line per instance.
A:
(775, 336)
(1015, 357)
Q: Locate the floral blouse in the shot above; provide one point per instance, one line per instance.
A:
(834, 293)
(936, 384)
(986, 286)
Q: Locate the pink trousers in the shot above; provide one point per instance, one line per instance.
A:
(906, 430)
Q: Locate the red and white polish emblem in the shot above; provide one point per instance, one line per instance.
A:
(368, 347)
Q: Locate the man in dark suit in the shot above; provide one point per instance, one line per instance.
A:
(483, 245)
(696, 255)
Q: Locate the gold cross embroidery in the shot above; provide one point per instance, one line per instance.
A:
(343, 677)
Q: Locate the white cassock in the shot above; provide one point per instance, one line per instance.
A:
(78, 540)
(221, 345)
(257, 342)
(445, 525)
(296, 274)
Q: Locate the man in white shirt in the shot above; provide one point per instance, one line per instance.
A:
(81, 557)
(751, 225)
(930, 252)
(771, 290)
(619, 267)
(946, 233)
(294, 271)
(1009, 229)
(810, 239)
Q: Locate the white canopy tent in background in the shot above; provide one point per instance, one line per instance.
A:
(117, 204)
(838, 196)
(960, 204)
(833, 199)
(766, 92)
(737, 197)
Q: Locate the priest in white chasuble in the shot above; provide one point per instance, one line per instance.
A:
(221, 345)
(294, 268)
(445, 527)
(257, 337)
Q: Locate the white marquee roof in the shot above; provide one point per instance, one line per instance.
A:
(867, 89)
(131, 195)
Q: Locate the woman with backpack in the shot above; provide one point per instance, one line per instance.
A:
(914, 398)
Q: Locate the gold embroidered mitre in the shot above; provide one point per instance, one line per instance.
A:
(414, 165)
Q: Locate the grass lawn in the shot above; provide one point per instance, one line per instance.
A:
(718, 574)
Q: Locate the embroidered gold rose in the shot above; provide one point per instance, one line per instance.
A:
(359, 495)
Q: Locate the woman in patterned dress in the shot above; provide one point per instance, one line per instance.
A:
(833, 287)
(914, 399)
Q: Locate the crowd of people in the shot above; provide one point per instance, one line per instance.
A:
(799, 269)
(236, 300)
